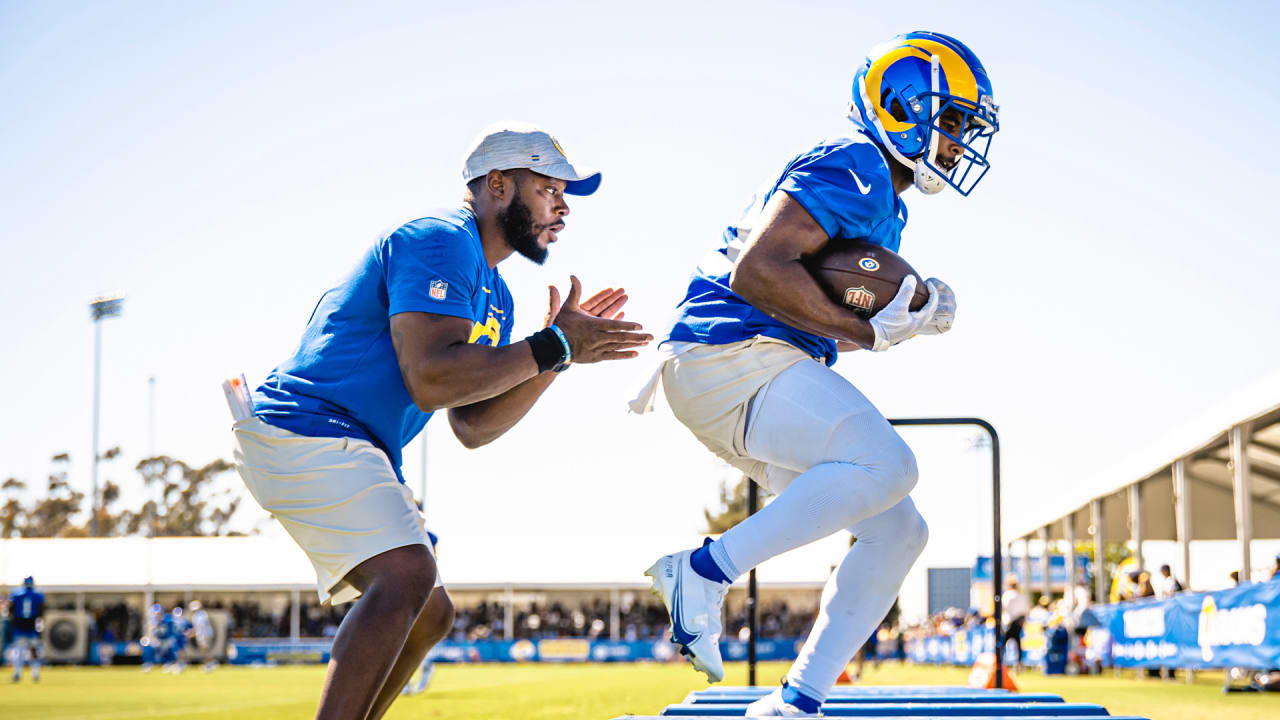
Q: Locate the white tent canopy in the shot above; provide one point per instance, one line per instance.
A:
(276, 563)
(1217, 477)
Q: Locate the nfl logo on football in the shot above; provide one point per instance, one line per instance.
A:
(860, 298)
(439, 289)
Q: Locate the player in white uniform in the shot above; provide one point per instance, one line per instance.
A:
(747, 361)
(202, 633)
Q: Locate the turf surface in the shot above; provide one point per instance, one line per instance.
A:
(590, 692)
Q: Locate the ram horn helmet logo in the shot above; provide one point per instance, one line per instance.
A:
(860, 298)
(869, 264)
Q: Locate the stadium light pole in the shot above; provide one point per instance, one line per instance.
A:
(100, 308)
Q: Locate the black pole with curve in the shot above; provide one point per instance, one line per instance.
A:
(997, 559)
(753, 502)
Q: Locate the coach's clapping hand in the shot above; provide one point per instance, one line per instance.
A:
(595, 328)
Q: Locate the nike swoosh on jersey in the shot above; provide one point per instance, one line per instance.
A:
(861, 186)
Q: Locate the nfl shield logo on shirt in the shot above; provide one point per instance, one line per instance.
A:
(860, 298)
(439, 289)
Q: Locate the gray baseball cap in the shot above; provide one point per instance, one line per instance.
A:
(509, 144)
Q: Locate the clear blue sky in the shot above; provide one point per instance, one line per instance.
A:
(225, 163)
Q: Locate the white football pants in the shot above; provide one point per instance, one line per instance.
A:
(835, 463)
(22, 647)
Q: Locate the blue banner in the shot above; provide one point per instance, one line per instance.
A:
(1013, 566)
(1239, 627)
(963, 646)
(277, 651)
(960, 648)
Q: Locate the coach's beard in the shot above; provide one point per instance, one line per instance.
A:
(521, 232)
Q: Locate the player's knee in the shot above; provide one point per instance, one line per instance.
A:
(914, 531)
(439, 616)
(410, 574)
(896, 464)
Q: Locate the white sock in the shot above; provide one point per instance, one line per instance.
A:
(858, 595)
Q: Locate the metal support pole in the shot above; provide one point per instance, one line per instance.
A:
(753, 504)
(1024, 566)
(1182, 517)
(997, 556)
(615, 615)
(997, 559)
(1243, 496)
(509, 613)
(1045, 565)
(97, 377)
(1069, 530)
(151, 416)
(1137, 533)
(100, 308)
(1099, 551)
(295, 615)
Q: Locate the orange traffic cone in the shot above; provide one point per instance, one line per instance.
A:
(984, 674)
(844, 678)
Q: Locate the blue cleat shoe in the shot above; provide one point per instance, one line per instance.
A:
(695, 605)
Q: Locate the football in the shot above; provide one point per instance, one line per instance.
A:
(863, 277)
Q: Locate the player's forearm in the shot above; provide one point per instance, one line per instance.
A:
(785, 290)
(463, 373)
(483, 422)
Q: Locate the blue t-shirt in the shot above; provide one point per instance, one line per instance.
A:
(344, 380)
(25, 606)
(847, 188)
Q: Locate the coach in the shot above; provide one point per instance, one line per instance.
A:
(423, 323)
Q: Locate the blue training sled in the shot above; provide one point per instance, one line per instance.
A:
(913, 710)
(895, 698)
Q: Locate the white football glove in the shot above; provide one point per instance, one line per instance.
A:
(895, 322)
(945, 316)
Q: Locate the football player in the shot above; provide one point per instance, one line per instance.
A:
(26, 608)
(423, 323)
(202, 634)
(747, 365)
(174, 662)
(158, 640)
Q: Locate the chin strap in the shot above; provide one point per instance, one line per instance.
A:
(926, 180)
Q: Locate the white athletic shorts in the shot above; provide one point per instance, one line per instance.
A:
(710, 387)
(337, 497)
(30, 645)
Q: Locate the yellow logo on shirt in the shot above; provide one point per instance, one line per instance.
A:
(490, 329)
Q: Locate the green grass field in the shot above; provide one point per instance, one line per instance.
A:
(529, 692)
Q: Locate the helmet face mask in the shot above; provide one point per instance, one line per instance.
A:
(907, 87)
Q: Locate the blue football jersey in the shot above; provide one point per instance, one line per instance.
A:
(344, 380)
(25, 607)
(846, 186)
(165, 629)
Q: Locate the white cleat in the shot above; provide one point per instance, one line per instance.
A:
(772, 705)
(695, 605)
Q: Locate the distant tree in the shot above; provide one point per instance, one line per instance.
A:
(187, 505)
(11, 512)
(733, 505)
(51, 515)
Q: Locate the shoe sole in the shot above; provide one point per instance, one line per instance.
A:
(653, 573)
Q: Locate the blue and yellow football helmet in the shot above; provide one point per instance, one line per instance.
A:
(901, 94)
